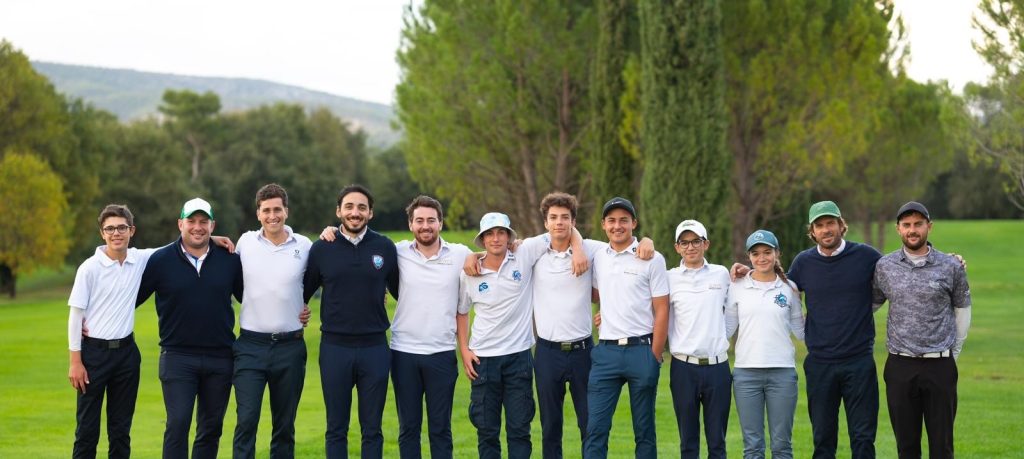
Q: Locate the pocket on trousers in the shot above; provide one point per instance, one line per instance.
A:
(478, 397)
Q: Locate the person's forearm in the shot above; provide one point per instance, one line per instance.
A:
(660, 325)
(462, 330)
(963, 323)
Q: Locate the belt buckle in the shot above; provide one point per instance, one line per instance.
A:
(566, 347)
(623, 341)
(704, 361)
(115, 344)
(276, 336)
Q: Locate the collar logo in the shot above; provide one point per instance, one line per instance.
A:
(378, 261)
(483, 287)
(297, 255)
(780, 300)
(517, 276)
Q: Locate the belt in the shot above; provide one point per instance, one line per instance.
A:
(570, 346)
(723, 357)
(631, 341)
(274, 337)
(928, 355)
(109, 343)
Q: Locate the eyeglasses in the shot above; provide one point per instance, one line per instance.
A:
(119, 229)
(695, 243)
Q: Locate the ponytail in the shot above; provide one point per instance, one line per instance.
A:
(781, 272)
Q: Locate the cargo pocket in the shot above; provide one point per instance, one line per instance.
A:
(478, 396)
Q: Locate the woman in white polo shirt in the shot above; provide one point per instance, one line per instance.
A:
(765, 306)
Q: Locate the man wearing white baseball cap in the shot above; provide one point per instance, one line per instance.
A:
(700, 375)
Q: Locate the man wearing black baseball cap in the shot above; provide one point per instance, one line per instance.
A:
(929, 314)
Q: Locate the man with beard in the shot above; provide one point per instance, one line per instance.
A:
(355, 272)
(194, 281)
(929, 314)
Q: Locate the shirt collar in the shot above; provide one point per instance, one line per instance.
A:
(842, 246)
(443, 250)
(703, 266)
(631, 249)
(749, 281)
(287, 230)
(354, 240)
(106, 261)
(201, 257)
(928, 257)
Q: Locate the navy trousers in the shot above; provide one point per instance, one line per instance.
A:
(854, 382)
(366, 369)
(695, 387)
(415, 377)
(263, 360)
(113, 373)
(504, 381)
(187, 379)
(612, 367)
(554, 368)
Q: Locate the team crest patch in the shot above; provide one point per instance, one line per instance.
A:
(378, 261)
(483, 287)
(517, 276)
(780, 300)
(297, 255)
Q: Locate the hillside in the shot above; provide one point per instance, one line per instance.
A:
(132, 94)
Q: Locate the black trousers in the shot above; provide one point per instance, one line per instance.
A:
(113, 373)
(187, 379)
(854, 383)
(695, 387)
(366, 369)
(917, 389)
(262, 362)
(554, 369)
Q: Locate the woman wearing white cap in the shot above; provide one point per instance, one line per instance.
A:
(765, 307)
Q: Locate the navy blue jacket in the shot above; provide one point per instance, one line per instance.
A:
(194, 309)
(840, 322)
(355, 279)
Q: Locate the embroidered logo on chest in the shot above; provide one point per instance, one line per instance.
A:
(780, 300)
(483, 287)
(378, 261)
(517, 276)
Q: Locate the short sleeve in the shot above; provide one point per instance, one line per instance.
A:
(659, 276)
(532, 249)
(465, 303)
(961, 289)
(82, 288)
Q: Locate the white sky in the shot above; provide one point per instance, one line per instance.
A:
(344, 47)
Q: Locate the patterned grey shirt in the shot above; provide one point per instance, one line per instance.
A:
(921, 301)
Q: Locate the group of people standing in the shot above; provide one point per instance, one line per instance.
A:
(535, 293)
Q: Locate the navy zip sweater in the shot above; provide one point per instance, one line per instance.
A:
(355, 279)
(193, 308)
(840, 322)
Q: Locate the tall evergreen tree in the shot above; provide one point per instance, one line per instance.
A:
(686, 162)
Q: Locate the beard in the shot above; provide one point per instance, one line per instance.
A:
(921, 241)
(353, 229)
(426, 238)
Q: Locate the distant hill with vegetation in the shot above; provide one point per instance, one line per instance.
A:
(132, 94)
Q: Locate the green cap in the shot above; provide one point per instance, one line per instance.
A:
(823, 209)
(196, 205)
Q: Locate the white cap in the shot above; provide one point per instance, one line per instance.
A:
(196, 205)
(691, 225)
(493, 220)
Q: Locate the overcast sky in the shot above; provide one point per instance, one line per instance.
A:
(344, 47)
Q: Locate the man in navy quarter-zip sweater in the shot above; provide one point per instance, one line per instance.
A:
(194, 281)
(354, 271)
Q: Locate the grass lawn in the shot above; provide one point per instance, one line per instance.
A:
(37, 404)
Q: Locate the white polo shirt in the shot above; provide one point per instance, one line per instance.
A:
(272, 299)
(503, 299)
(627, 285)
(561, 300)
(766, 313)
(106, 290)
(696, 318)
(425, 316)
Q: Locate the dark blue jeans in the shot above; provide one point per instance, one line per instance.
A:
(113, 373)
(695, 387)
(854, 382)
(261, 362)
(612, 367)
(187, 379)
(554, 369)
(415, 377)
(366, 369)
(503, 381)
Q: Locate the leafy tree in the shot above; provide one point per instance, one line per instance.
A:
(684, 122)
(393, 188)
(193, 117)
(494, 101)
(32, 232)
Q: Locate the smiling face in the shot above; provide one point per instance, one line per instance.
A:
(272, 215)
(196, 230)
(913, 229)
(618, 225)
(828, 232)
(354, 212)
(762, 258)
(691, 247)
(559, 223)
(496, 241)
(116, 233)
(425, 225)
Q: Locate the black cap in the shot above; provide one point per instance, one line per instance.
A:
(913, 206)
(618, 203)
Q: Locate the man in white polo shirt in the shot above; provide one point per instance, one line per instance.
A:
(696, 335)
(497, 358)
(634, 323)
(270, 350)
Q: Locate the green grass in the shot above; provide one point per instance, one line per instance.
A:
(37, 404)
